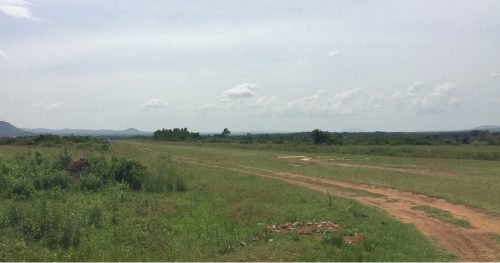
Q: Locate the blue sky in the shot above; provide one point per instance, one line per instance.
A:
(250, 65)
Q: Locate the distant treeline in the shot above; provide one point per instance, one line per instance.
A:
(376, 138)
(53, 140)
(176, 134)
(477, 137)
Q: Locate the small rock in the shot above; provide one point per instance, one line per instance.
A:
(243, 243)
(270, 240)
(296, 224)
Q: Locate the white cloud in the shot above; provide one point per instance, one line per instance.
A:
(400, 99)
(2, 54)
(243, 90)
(319, 104)
(494, 101)
(53, 107)
(438, 100)
(333, 54)
(375, 102)
(415, 87)
(156, 103)
(494, 74)
(17, 9)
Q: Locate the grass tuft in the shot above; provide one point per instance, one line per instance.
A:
(443, 215)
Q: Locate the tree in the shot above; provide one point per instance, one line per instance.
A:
(226, 132)
(319, 136)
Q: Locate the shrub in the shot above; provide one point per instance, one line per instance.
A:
(101, 168)
(62, 160)
(129, 171)
(21, 188)
(50, 179)
(54, 225)
(90, 182)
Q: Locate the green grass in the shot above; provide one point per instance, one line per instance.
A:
(442, 215)
(495, 237)
(475, 183)
(206, 222)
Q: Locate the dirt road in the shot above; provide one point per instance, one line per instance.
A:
(469, 244)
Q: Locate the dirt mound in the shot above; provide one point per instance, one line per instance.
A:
(76, 167)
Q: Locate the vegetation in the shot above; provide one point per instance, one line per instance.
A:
(175, 134)
(442, 215)
(101, 217)
(56, 140)
(451, 173)
(475, 137)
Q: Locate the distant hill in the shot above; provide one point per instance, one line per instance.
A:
(66, 132)
(9, 130)
(488, 128)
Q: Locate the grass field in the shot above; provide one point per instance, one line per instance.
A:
(475, 183)
(218, 217)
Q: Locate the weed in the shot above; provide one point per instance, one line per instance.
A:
(442, 215)
(62, 160)
(329, 200)
(90, 182)
(94, 215)
(357, 210)
(495, 236)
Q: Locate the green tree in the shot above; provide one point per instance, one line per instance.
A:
(319, 136)
(226, 132)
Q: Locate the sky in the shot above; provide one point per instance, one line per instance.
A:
(250, 65)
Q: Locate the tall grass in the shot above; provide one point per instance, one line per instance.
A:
(167, 178)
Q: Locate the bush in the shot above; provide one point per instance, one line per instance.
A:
(62, 160)
(21, 188)
(90, 182)
(129, 171)
(101, 168)
(50, 179)
(54, 225)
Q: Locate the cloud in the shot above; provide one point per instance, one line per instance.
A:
(320, 104)
(17, 9)
(156, 103)
(375, 102)
(438, 100)
(243, 90)
(494, 74)
(2, 54)
(494, 101)
(333, 54)
(53, 107)
(415, 87)
(400, 99)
